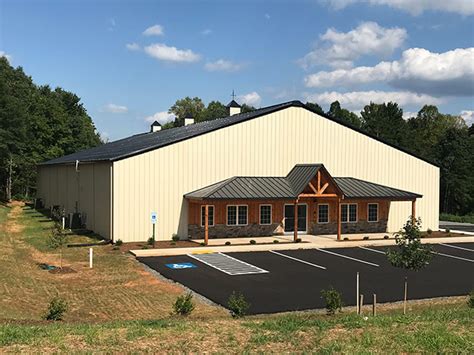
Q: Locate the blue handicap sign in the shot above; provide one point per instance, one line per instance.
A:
(180, 266)
(153, 217)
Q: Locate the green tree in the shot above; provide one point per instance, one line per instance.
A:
(385, 121)
(315, 107)
(187, 106)
(247, 108)
(342, 114)
(214, 110)
(410, 253)
(58, 240)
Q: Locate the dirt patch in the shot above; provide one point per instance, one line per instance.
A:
(63, 270)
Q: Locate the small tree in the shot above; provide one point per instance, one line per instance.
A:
(410, 254)
(238, 305)
(56, 309)
(58, 239)
(184, 304)
(333, 300)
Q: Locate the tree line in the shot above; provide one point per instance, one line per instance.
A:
(38, 123)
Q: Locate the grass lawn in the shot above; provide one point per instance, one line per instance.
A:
(118, 307)
(455, 218)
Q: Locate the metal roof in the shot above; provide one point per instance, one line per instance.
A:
(356, 188)
(145, 142)
(289, 187)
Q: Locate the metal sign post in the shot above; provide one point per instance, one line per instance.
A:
(153, 221)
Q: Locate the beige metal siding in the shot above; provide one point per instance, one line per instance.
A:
(266, 146)
(89, 189)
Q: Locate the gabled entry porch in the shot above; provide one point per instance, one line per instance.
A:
(308, 200)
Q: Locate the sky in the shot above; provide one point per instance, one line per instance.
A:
(129, 61)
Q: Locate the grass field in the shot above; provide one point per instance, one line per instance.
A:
(455, 218)
(119, 307)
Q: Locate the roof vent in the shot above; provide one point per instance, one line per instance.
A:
(188, 119)
(234, 108)
(155, 127)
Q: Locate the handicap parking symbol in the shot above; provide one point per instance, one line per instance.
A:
(180, 266)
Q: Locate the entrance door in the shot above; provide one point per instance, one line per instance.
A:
(290, 218)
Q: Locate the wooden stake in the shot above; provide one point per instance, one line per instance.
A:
(295, 236)
(405, 296)
(361, 303)
(357, 292)
(206, 224)
(374, 306)
(91, 253)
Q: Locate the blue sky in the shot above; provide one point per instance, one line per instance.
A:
(130, 61)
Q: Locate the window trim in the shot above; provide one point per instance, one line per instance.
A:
(260, 214)
(373, 203)
(329, 218)
(357, 212)
(213, 215)
(236, 215)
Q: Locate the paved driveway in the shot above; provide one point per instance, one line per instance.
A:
(465, 227)
(293, 280)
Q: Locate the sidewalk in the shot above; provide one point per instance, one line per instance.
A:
(308, 242)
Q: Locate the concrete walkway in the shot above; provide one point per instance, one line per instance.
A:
(308, 242)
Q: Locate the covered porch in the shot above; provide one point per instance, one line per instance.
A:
(308, 201)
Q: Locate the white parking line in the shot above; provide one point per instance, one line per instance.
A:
(295, 259)
(227, 264)
(456, 247)
(374, 250)
(348, 257)
(453, 256)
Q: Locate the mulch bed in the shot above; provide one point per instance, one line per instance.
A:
(125, 247)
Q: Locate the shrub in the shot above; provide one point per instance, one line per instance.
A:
(238, 305)
(298, 240)
(366, 237)
(253, 241)
(175, 237)
(429, 231)
(333, 300)
(56, 309)
(150, 241)
(276, 241)
(184, 304)
(448, 230)
(227, 243)
(202, 244)
(57, 240)
(345, 238)
(385, 237)
(145, 247)
(119, 242)
(470, 300)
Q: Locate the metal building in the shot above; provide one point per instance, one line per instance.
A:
(118, 185)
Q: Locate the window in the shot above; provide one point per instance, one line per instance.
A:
(349, 213)
(323, 213)
(373, 212)
(210, 216)
(237, 215)
(265, 214)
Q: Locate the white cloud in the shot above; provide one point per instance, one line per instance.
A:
(356, 100)
(252, 99)
(206, 32)
(113, 108)
(468, 116)
(340, 50)
(161, 51)
(408, 114)
(414, 7)
(5, 55)
(162, 117)
(132, 46)
(156, 30)
(419, 70)
(223, 65)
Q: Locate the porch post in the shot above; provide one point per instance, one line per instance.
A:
(413, 211)
(296, 222)
(338, 218)
(206, 224)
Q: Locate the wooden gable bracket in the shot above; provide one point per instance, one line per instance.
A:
(323, 188)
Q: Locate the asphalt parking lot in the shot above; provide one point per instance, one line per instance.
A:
(292, 280)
